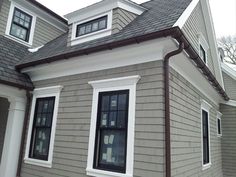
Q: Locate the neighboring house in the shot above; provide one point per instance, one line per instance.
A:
(118, 90)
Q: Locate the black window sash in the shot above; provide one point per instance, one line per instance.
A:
(90, 23)
(205, 137)
(36, 128)
(219, 126)
(99, 129)
(22, 26)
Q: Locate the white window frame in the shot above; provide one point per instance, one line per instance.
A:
(206, 107)
(9, 22)
(202, 42)
(43, 93)
(116, 84)
(218, 117)
(94, 35)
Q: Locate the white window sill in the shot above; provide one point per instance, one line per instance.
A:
(36, 162)
(101, 173)
(18, 40)
(206, 166)
(219, 135)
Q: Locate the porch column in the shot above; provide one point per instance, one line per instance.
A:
(13, 134)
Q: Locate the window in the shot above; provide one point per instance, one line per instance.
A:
(206, 153)
(111, 134)
(111, 139)
(218, 123)
(42, 126)
(21, 24)
(205, 137)
(203, 54)
(91, 26)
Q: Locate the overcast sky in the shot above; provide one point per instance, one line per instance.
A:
(223, 11)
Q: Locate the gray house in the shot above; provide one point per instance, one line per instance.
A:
(118, 89)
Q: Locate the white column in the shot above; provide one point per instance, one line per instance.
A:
(12, 142)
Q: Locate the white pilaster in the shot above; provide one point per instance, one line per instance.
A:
(12, 142)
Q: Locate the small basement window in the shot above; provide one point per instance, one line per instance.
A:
(91, 26)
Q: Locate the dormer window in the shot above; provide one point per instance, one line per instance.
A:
(21, 24)
(91, 26)
(202, 54)
(203, 48)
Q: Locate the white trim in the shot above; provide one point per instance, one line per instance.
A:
(124, 56)
(212, 40)
(101, 7)
(124, 83)
(202, 42)
(230, 103)
(218, 117)
(206, 107)
(9, 22)
(228, 70)
(42, 93)
(186, 14)
(95, 35)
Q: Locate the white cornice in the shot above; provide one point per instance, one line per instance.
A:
(101, 7)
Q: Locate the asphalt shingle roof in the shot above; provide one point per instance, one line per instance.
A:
(12, 53)
(161, 14)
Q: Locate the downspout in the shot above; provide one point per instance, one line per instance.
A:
(167, 107)
(28, 102)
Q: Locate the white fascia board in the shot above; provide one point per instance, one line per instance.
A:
(124, 56)
(186, 14)
(228, 70)
(102, 7)
(43, 15)
(230, 103)
(212, 40)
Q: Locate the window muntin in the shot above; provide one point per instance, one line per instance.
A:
(42, 125)
(21, 24)
(111, 134)
(91, 26)
(205, 138)
(203, 54)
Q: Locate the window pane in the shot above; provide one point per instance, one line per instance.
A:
(205, 137)
(113, 146)
(95, 26)
(16, 19)
(113, 103)
(122, 102)
(42, 140)
(88, 28)
(102, 24)
(105, 103)
(219, 126)
(112, 119)
(82, 30)
(18, 32)
(104, 119)
(121, 119)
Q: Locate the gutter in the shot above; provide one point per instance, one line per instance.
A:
(20, 159)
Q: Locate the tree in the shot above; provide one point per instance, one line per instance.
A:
(228, 44)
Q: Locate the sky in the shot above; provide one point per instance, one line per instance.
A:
(223, 12)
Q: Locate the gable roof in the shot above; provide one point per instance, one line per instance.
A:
(161, 15)
(11, 53)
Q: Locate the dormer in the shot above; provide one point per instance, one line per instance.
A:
(101, 19)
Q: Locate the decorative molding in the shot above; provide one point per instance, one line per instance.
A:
(42, 93)
(115, 84)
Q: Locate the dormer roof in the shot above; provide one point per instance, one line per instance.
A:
(102, 7)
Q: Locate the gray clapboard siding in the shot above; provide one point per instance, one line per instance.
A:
(230, 86)
(4, 16)
(72, 132)
(4, 106)
(186, 131)
(121, 18)
(44, 32)
(229, 140)
(195, 25)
